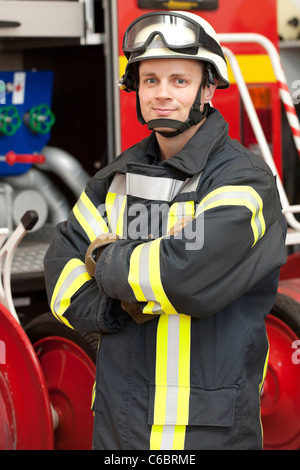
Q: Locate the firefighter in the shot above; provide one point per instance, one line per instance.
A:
(173, 253)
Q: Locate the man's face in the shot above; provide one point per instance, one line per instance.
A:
(168, 88)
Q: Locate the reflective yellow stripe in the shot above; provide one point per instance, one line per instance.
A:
(179, 210)
(89, 217)
(238, 196)
(74, 287)
(156, 437)
(134, 274)
(120, 224)
(109, 203)
(262, 383)
(115, 207)
(144, 278)
(71, 279)
(179, 438)
(155, 279)
(265, 371)
(184, 369)
(93, 395)
(83, 223)
(172, 216)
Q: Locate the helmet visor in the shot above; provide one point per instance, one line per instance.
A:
(175, 31)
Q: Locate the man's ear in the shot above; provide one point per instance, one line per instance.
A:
(209, 91)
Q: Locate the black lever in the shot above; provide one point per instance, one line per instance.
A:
(9, 24)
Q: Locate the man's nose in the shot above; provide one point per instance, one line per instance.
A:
(164, 90)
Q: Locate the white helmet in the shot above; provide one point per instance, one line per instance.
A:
(176, 35)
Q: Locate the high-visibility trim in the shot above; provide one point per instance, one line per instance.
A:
(144, 268)
(71, 279)
(134, 274)
(120, 224)
(115, 209)
(178, 210)
(89, 217)
(109, 204)
(115, 204)
(161, 370)
(184, 369)
(172, 383)
(93, 395)
(156, 437)
(172, 215)
(152, 187)
(265, 371)
(238, 196)
(145, 281)
(261, 386)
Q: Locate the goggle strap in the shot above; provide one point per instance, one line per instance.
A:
(205, 41)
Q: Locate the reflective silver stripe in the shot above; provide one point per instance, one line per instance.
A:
(152, 188)
(148, 188)
(167, 437)
(191, 184)
(172, 370)
(71, 277)
(89, 217)
(118, 184)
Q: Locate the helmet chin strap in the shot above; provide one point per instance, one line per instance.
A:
(194, 118)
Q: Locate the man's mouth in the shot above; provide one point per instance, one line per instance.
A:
(163, 111)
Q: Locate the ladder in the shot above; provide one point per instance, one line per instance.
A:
(293, 232)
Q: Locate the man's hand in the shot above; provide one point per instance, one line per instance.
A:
(95, 250)
(134, 310)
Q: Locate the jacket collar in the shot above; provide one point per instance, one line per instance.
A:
(208, 140)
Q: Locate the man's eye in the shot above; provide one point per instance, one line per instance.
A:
(151, 81)
(180, 81)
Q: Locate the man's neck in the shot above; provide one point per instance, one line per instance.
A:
(171, 146)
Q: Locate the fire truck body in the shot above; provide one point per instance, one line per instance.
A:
(264, 125)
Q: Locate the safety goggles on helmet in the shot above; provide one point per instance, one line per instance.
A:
(177, 32)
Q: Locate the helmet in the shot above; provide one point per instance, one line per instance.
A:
(171, 35)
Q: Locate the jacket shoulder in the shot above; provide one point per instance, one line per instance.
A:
(134, 153)
(247, 157)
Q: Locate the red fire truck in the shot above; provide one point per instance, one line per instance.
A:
(261, 109)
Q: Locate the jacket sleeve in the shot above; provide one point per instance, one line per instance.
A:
(74, 297)
(238, 241)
